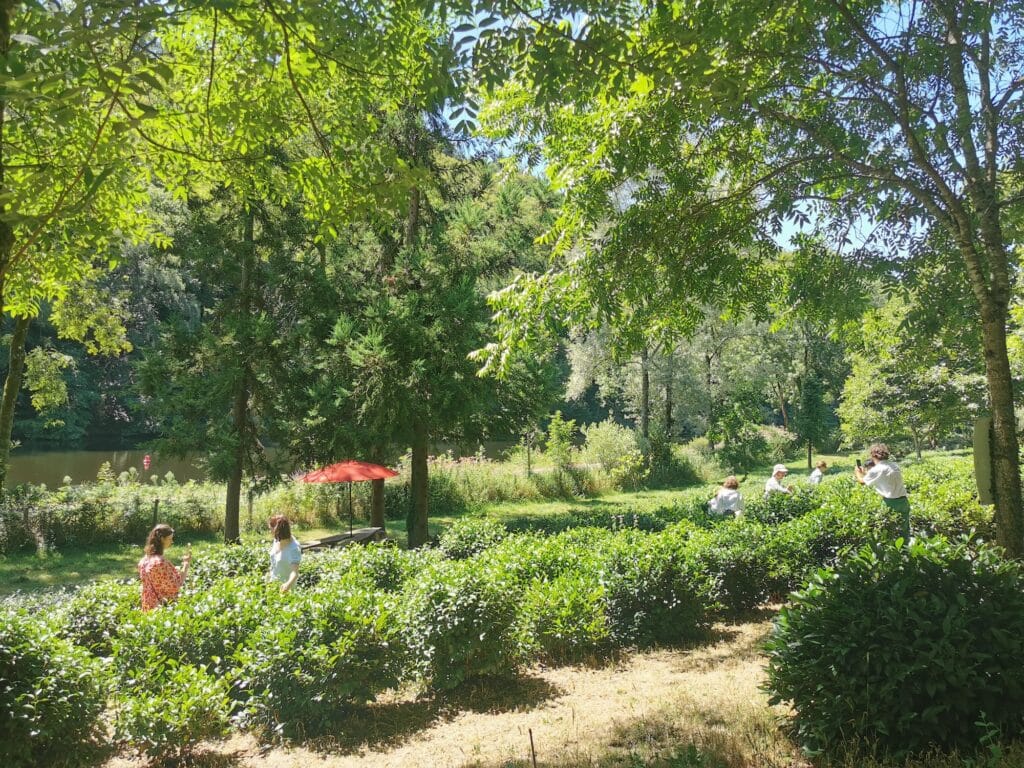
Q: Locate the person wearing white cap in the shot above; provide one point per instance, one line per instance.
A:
(774, 484)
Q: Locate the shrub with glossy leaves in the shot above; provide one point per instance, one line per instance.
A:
(734, 557)
(52, 694)
(167, 708)
(565, 619)
(655, 593)
(456, 621)
(212, 565)
(901, 649)
(381, 565)
(199, 629)
(320, 651)
(465, 538)
(94, 615)
(779, 507)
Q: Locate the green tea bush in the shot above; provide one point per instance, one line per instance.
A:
(944, 499)
(317, 653)
(201, 628)
(733, 556)
(465, 538)
(528, 557)
(565, 619)
(654, 594)
(779, 507)
(94, 615)
(456, 622)
(52, 696)
(217, 563)
(381, 566)
(168, 708)
(902, 649)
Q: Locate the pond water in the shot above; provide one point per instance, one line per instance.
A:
(51, 467)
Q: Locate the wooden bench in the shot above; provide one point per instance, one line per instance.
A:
(358, 536)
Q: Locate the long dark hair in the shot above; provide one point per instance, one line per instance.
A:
(155, 540)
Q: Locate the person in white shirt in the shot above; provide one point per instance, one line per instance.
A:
(728, 501)
(887, 481)
(774, 484)
(285, 553)
(819, 472)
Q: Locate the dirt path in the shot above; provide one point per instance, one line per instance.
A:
(689, 707)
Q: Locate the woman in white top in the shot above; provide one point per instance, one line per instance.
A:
(774, 484)
(285, 553)
(728, 500)
(886, 479)
(818, 473)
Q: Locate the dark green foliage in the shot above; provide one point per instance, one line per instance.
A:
(666, 468)
(51, 696)
(654, 594)
(315, 654)
(168, 707)
(566, 618)
(469, 537)
(202, 628)
(944, 499)
(457, 622)
(779, 507)
(900, 649)
(382, 566)
(83, 515)
(94, 615)
(213, 565)
(732, 555)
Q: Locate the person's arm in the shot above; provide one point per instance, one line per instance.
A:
(291, 578)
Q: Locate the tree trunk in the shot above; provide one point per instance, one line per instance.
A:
(645, 396)
(809, 447)
(417, 527)
(377, 504)
(12, 385)
(669, 403)
(1005, 449)
(240, 406)
(782, 405)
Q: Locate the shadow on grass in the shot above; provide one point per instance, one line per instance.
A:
(661, 740)
(390, 724)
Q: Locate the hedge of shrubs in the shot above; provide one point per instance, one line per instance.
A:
(899, 650)
(232, 652)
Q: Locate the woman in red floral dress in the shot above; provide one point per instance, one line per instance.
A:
(160, 579)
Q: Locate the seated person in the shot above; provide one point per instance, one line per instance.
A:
(728, 501)
(774, 484)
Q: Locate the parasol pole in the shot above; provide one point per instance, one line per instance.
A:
(350, 509)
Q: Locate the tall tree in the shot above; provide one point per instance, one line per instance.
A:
(902, 121)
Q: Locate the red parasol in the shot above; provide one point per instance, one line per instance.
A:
(348, 472)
